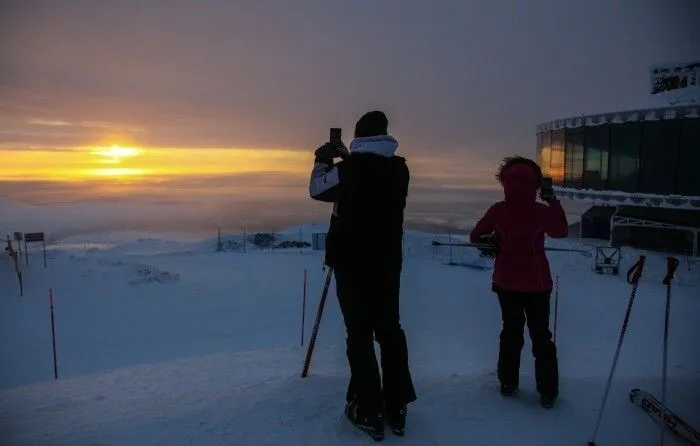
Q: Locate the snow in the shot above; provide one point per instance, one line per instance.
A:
(162, 340)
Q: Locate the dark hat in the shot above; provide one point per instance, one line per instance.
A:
(373, 123)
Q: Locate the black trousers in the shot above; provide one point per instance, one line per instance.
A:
(369, 301)
(516, 309)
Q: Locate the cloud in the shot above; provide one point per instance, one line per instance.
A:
(87, 124)
(49, 122)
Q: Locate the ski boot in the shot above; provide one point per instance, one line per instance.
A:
(547, 401)
(396, 419)
(508, 390)
(372, 424)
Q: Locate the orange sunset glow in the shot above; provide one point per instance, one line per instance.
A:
(121, 162)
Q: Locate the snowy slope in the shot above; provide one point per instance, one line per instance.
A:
(166, 341)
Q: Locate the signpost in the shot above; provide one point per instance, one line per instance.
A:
(33, 237)
(675, 83)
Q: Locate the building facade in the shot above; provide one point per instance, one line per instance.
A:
(630, 156)
(639, 169)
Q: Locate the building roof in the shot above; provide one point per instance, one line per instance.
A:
(618, 198)
(647, 114)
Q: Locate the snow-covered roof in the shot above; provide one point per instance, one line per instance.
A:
(609, 197)
(648, 114)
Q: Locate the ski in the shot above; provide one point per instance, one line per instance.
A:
(664, 416)
(486, 245)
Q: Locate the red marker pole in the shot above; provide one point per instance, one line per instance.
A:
(303, 309)
(53, 336)
(556, 305)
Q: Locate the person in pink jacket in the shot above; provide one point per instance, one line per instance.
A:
(517, 227)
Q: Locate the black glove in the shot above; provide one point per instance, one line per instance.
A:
(491, 250)
(327, 152)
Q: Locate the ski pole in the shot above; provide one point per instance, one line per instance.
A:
(633, 276)
(672, 265)
(556, 304)
(312, 342)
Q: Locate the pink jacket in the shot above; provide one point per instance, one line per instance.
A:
(520, 224)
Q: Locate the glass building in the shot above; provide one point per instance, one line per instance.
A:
(640, 170)
(641, 152)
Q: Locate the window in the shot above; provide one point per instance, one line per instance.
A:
(623, 172)
(689, 148)
(659, 156)
(556, 160)
(595, 168)
(545, 152)
(573, 160)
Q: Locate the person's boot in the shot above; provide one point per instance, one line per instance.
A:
(396, 419)
(371, 423)
(508, 390)
(547, 401)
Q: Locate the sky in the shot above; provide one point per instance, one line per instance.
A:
(176, 101)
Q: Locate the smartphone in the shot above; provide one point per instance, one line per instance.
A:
(336, 135)
(546, 190)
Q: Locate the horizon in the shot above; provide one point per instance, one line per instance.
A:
(221, 107)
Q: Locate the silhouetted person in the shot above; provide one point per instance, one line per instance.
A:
(364, 247)
(521, 276)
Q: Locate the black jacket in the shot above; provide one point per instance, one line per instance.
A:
(368, 189)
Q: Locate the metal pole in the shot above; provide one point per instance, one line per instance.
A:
(633, 276)
(319, 313)
(672, 266)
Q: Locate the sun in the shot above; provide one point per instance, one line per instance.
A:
(114, 154)
(119, 159)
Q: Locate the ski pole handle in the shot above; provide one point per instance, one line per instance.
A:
(672, 265)
(635, 272)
